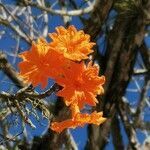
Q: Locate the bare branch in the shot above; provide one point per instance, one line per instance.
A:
(131, 133)
(140, 71)
(141, 102)
(145, 55)
(70, 143)
(99, 15)
(116, 134)
(10, 71)
(63, 12)
(16, 29)
(28, 92)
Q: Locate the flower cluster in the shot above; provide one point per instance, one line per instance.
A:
(62, 59)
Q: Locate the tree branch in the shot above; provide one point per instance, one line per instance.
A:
(131, 133)
(116, 134)
(10, 71)
(63, 12)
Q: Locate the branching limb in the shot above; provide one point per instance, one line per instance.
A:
(63, 12)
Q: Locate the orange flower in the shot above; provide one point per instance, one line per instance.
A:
(74, 109)
(73, 44)
(81, 83)
(78, 120)
(40, 63)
